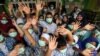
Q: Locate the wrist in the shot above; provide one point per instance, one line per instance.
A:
(50, 50)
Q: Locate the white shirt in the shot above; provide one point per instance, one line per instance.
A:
(3, 48)
(50, 27)
(69, 52)
(19, 20)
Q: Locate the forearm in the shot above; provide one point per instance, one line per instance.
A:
(19, 30)
(49, 52)
(70, 38)
(35, 27)
(30, 38)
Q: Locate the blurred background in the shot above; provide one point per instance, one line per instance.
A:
(91, 7)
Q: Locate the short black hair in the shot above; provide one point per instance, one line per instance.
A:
(61, 41)
(48, 13)
(11, 27)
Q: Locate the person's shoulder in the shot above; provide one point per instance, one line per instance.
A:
(54, 24)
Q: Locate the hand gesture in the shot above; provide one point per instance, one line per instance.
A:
(52, 43)
(13, 53)
(34, 21)
(14, 22)
(10, 6)
(39, 6)
(89, 27)
(76, 26)
(87, 52)
(24, 8)
(63, 31)
(44, 30)
(27, 25)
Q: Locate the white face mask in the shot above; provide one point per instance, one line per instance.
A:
(63, 51)
(51, 7)
(21, 26)
(45, 10)
(13, 34)
(1, 38)
(42, 43)
(4, 21)
(30, 31)
(21, 50)
(70, 27)
(89, 45)
(49, 20)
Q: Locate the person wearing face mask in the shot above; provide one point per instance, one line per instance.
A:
(51, 7)
(19, 18)
(3, 48)
(48, 23)
(42, 45)
(44, 40)
(92, 46)
(60, 47)
(5, 22)
(21, 50)
(34, 35)
(14, 36)
(11, 38)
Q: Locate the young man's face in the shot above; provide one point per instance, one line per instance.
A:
(49, 19)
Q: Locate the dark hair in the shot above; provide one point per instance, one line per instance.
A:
(61, 41)
(48, 13)
(0, 32)
(11, 27)
(33, 14)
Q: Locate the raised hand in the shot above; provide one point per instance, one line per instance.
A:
(87, 52)
(27, 25)
(89, 27)
(24, 8)
(44, 30)
(14, 22)
(13, 53)
(10, 6)
(76, 26)
(34, 21)
(52, 43)
(63, 31)
(39, 6)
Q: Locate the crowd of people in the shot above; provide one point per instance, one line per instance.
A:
(47, 31)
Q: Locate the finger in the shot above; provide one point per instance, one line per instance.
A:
(50, 39)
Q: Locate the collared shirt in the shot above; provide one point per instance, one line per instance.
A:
(3, 48)
(50, 27)
(69, 52)
(10, 42)
(34, 35)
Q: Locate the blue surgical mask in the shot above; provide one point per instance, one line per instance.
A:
(21, 50)
(4, 21)
(1, 38)
(89, 45)
(42, 43)
(63, 51)
(13, 34)
(49, 20)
